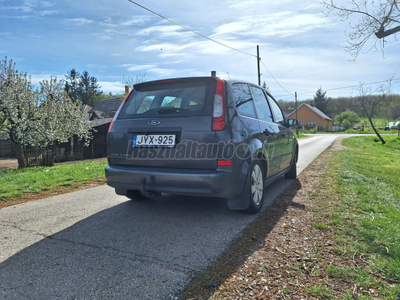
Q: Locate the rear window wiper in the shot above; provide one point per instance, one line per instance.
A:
(167, 110)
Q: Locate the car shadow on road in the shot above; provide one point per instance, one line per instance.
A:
(135, 250)
(252, 239)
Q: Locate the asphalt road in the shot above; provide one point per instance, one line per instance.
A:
(93, 244)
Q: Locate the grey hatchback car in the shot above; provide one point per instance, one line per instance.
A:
(200, 136)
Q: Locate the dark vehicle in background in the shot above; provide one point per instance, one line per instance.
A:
(200, 136)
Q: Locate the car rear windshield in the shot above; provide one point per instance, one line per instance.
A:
(166, 98)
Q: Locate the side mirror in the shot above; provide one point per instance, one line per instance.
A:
(293, 122)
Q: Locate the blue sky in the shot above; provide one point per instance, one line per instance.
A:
(115, 39)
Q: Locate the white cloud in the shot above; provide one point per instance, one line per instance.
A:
(80, 21)
(159, 47)
(47, 12)
(243, 4)
(114, 87)
(237, 27)
(167, 55)
(133, 68)
(32, 8)
(46, 3)
(281, 24)
(136, 20)
(189, 50)
(167, 30)
(164, 72)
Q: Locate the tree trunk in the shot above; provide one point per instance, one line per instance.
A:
(376, 131)
(20, 155)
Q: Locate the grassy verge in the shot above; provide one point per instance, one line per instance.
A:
(369, 216)
(18, 182)
(300, 135)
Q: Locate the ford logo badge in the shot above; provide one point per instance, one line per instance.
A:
(154, 123)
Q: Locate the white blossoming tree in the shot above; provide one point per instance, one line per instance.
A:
(37, 116)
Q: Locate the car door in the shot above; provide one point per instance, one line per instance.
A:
(286, 137)
(269, 131)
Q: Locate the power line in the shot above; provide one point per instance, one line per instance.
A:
(188, 29)
(352, 86)
(345, 87)
(275, 79)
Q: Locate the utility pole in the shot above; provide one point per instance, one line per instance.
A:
(295, 100)
(258, 65)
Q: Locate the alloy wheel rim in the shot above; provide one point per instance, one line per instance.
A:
(257, 185)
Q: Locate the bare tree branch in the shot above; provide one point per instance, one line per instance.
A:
(380, 34)
(376, 20)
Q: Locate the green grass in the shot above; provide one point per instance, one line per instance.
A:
(300, 135)
(16, 182)
(320, 291)
(369, 183)
(321, 226)
(378, 122)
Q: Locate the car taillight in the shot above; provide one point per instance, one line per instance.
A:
(219, 106)
(118, 110)
(223, 163)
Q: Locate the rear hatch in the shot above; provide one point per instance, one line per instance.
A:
(166, 124)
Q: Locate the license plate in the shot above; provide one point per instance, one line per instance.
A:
(153, 140)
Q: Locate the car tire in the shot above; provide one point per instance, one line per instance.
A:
(292, 173)
(256, 188)
(136, 195)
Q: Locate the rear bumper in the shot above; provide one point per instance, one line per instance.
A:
(222, 183)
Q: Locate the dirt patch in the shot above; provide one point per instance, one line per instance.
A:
(8, 163)
(337, 145)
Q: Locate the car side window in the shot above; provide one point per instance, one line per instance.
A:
(277, 112)
(243, 100)
(260, 101)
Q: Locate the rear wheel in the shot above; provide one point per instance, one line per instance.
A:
(256, 188)
(292, 173)
(136, 195)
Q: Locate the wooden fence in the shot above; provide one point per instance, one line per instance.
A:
(36, 157)
(7, 149)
